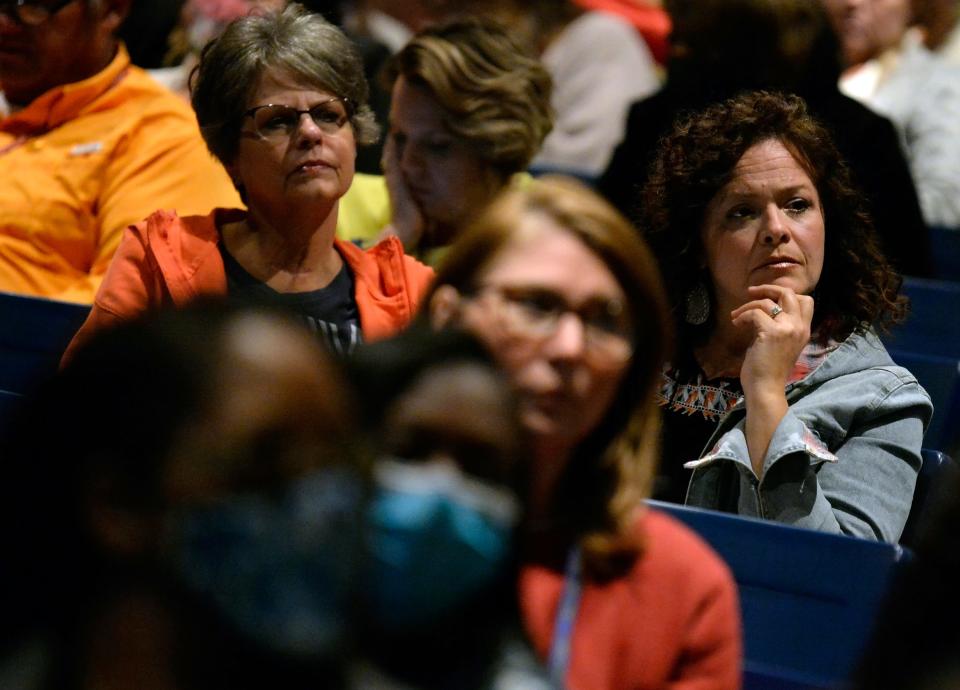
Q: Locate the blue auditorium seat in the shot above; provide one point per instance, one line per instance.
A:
(935, 474)
(945, 247)
(940, 376)
(808, 598)
(928, 344)
(33, 335)
(933, 325)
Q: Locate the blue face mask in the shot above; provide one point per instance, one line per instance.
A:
(436, 537)
(279, 569)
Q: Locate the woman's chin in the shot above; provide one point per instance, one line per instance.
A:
(549, 429)
(800, 286)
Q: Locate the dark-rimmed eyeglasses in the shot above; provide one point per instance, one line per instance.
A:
(534, 314)
(32, 12)
(272, 121)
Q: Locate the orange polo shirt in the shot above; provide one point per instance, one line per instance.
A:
(85, 160)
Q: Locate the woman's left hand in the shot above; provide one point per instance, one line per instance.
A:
(779, 321)
(407, 220)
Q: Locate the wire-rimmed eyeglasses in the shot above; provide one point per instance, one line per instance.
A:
(273, 121)
(535, 314)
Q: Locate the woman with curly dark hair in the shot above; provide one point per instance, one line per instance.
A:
(781, 402)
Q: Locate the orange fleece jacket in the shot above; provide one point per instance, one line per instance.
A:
(166, 260)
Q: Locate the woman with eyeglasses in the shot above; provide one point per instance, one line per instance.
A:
(282, 103)
(570, 302)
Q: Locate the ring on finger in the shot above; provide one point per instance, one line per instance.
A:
(776, 310)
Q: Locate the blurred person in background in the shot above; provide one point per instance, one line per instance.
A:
(598, 63)
(193, 520)
(648, 16)
(722, 47)
(439, 590)
(392, 23)
(91, 144)
(281, 101)
(469, 110)
(892, 72)
(780, 401)
(569, 300)
(199, 22)
(940, 22)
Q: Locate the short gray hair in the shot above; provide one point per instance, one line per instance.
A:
(292, 41)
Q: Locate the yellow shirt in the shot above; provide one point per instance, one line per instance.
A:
(85, 160)
(365, 211)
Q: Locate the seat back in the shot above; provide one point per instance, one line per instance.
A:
(935, 474)
(945, 247)
(940, 377)
(808, 598)
(928, 344)
(8, 404)
(933, 324)
(34, 332)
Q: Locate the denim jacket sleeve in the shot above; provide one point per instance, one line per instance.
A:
(843, 459)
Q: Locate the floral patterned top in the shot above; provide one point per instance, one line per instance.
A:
(694, 405)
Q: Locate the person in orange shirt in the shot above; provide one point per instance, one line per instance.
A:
(282, 102)
(90, 145)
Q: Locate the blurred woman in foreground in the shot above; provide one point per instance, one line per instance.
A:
(442, 529)
(194, 522)
(569, 300)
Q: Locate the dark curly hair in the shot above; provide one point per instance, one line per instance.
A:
(858, 288)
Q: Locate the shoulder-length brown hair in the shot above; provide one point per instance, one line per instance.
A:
(613, 468)
(858, 288)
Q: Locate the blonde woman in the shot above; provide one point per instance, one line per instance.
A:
(469, 110)
(570, 301)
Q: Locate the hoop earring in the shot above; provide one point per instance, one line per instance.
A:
(697, 305)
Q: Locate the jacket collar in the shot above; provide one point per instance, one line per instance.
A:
(187, 253)
(856, 352)
(66, 102)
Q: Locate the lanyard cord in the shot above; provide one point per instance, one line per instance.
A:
(559, 660)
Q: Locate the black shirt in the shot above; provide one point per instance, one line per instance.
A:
(693, 406)
(330, 312)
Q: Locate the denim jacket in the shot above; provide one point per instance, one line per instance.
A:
(843, 459)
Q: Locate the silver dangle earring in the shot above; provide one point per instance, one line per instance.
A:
(697, 305)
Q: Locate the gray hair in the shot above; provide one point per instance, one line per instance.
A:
(293, 41)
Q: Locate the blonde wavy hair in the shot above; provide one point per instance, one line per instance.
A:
(495, 95)
(613, 468)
